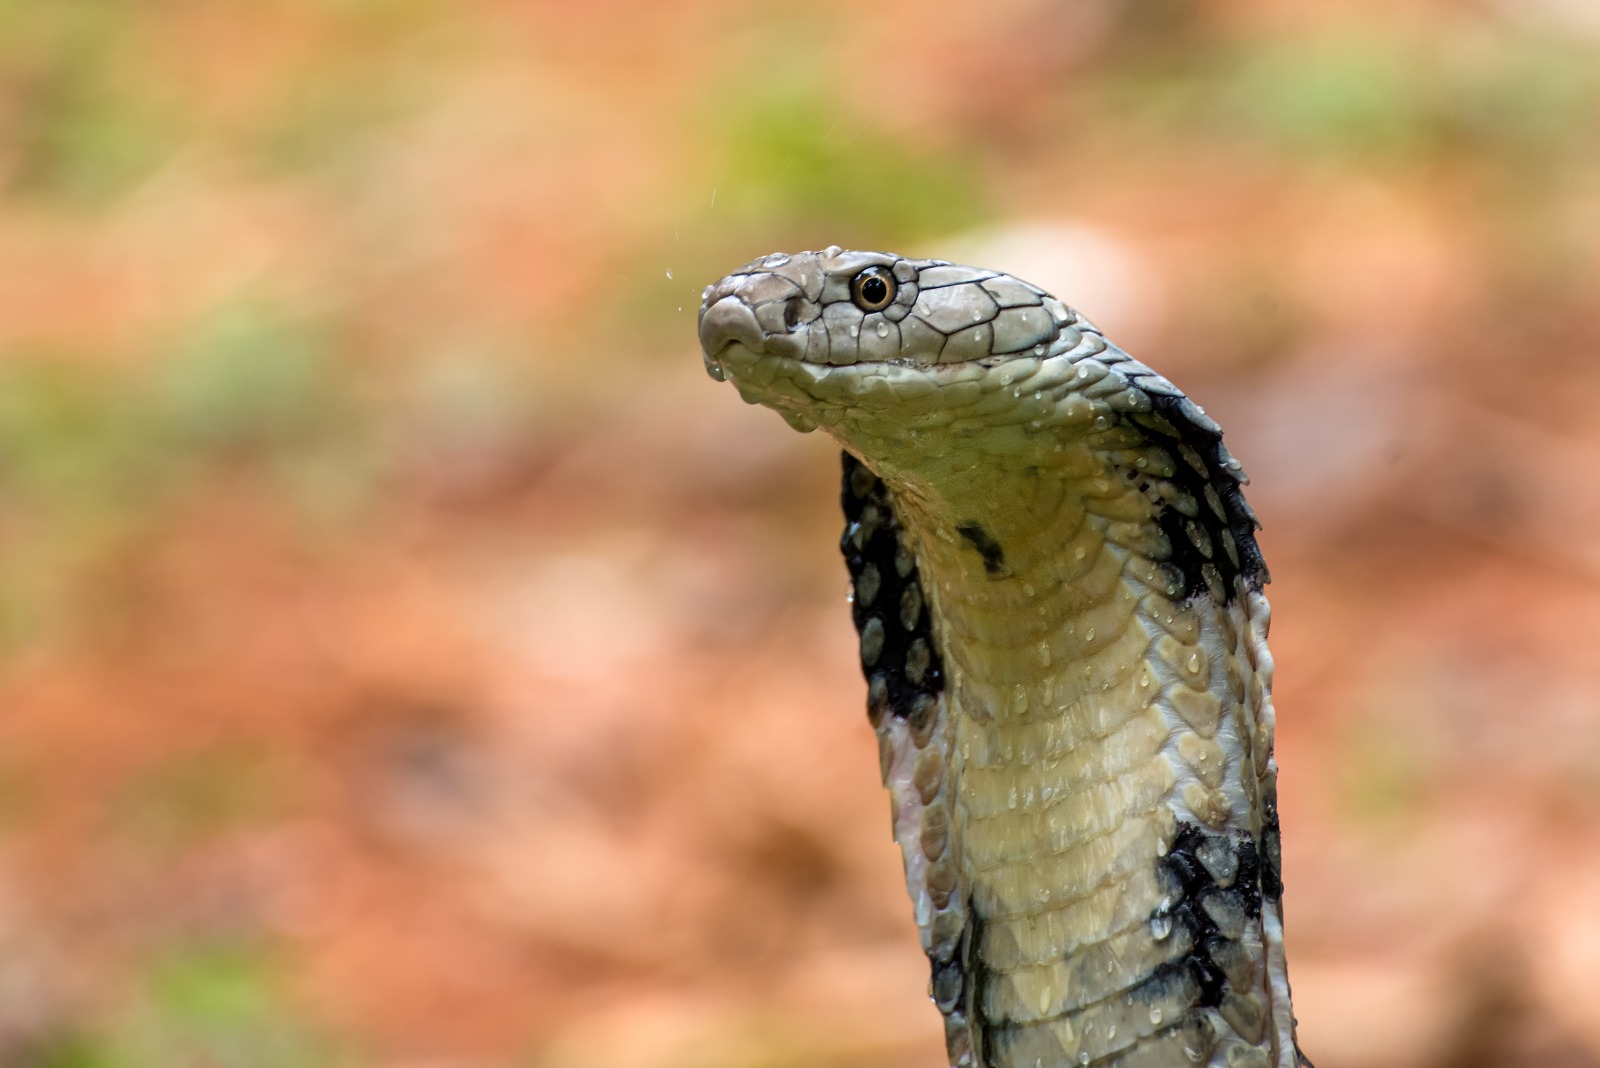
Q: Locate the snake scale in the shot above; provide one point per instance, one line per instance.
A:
(1058, 594)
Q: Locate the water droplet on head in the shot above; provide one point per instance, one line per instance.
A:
(1161, 928)
(977, 316)
(1155, 1015)
(669, 273)
(883, 329)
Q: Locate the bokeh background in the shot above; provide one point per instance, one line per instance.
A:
(412, 660)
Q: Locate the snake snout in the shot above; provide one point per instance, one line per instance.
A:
(726, 322)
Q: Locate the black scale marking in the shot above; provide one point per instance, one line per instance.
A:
(898, 655)
(1207, 873)
(904, 675)
(1210, 568)
(1271, 845)
(994, 558)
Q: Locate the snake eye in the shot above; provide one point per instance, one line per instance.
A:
(872, 289)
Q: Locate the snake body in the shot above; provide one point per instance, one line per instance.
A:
(1058, 594)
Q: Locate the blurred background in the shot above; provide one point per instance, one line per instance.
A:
(412, 660)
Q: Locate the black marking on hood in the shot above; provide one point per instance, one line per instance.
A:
(994, 557)
(898, 654)
(1217, 546)
(1214, 881)
(1271, 844)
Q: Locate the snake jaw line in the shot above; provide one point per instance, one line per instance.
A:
(1057, 590)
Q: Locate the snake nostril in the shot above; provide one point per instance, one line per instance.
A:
(791, 312)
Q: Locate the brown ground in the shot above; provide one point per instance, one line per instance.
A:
(412, 660)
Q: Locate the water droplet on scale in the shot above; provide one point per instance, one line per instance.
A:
(1161, 928)
(1155, 1016)
(883, 329)
(669, 274)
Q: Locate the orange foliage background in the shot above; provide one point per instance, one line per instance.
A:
(412, 660)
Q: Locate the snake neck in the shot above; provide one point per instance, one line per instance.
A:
(1058, 594)
(1108, 745)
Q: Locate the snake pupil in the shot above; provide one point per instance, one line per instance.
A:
(873, 289)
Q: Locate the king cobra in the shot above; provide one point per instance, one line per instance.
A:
(1058, 592)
